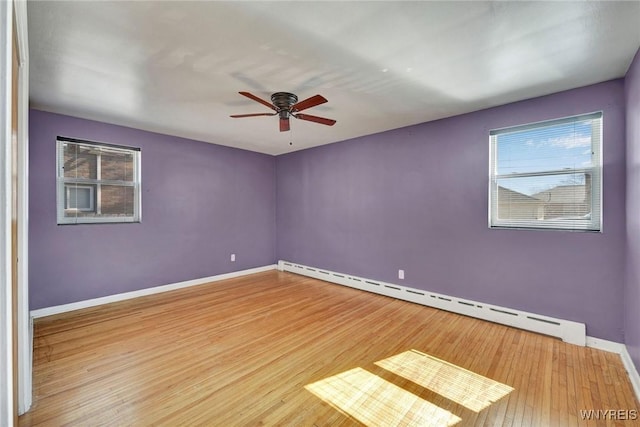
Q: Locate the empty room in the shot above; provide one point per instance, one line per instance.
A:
(320, 213)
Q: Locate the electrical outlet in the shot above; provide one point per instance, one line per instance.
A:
(233, 257)
(401, 274)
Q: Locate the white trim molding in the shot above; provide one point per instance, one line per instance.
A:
(634, 376)
(25, 332)
(621, 349)
(7, 398)
(610, 346)
(50, 311)
(569, 331)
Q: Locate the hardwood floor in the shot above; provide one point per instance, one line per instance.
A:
(281, 349)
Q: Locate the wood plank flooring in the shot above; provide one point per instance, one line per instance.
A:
(276, 348)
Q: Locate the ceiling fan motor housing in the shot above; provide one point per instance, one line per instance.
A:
(283, 102)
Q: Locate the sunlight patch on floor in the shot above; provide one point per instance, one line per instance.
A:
(376, 402)
(464, 387)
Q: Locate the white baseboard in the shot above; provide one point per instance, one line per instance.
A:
(610, 346)
(634, 376)
(49, 311)
(569, 331)
(621, 349)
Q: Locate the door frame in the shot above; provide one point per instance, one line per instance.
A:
(7, 398)
(14, 11)
(25, 329)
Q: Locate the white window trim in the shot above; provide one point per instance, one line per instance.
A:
(62, 181)
(593, 224)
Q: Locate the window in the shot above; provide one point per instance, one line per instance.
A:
(97, 182)
(547, 175)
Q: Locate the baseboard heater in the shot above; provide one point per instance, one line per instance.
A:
(567, 330)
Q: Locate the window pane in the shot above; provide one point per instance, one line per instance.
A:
(117, 166)
(566, 146)
(79, 197)
(117, 200)
(79, 162)
(544, 198)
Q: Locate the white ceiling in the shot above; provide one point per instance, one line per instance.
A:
(176, 67)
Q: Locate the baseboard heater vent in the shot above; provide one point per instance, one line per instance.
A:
(567, 330)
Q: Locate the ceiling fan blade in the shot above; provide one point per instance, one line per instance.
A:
(316, 119)
(235, 116)
(284, 124)
(308, 103)
(260, 100)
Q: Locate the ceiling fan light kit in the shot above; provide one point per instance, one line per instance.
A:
(286, 105)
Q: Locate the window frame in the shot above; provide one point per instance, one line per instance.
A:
(591, 224)
(63, 182)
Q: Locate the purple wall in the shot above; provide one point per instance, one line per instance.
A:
(200, 203)
(632, 290)
(416, 199)
(412, 198)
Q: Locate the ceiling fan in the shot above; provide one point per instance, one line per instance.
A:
(286, 105)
